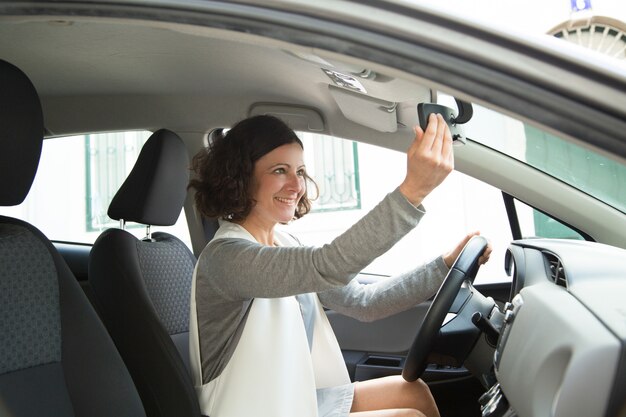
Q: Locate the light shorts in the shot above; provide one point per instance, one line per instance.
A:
(335, 401)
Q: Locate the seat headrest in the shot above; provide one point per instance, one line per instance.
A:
(155, 190)
(21, 134)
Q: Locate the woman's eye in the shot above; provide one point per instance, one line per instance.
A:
(279, 171)
(301, 173)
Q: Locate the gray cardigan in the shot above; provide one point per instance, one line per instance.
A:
(230, 273)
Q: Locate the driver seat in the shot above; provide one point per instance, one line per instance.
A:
(56, 358)
(142, 287)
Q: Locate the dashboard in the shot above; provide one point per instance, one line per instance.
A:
(562, 347)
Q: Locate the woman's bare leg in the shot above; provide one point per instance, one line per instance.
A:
(393, 394)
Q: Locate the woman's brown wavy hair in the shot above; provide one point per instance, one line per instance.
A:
(223, 170)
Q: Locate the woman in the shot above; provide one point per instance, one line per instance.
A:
(260, 342)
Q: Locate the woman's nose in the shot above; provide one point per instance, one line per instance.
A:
(295, 183)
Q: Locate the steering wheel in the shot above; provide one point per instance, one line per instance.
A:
(464, 268)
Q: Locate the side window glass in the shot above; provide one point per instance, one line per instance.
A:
(75, 183)
(109, 158)
(334, 164)
(360, 175)
(534, 223)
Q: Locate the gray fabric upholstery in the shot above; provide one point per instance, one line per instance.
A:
(167, 272)
(89, 362)
(159, 369)
(30, 323)
(36, 391)
(181, 341)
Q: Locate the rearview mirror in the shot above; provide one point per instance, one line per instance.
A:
(453, 120)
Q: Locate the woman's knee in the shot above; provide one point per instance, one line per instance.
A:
(394, 392)
(422, 399)
(418, 389)
(420, 385)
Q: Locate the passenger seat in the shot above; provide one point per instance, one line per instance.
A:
(56, 358)
(142, 287)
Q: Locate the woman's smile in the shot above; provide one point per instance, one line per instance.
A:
(288, 201)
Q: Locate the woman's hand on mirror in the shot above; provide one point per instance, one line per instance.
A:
(429, 160)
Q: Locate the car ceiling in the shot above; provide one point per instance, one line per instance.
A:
(98, 71)
(200, 77)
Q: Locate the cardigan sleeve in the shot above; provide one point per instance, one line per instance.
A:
(369, 302)
(238, 269)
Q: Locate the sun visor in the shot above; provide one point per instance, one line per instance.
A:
(374, 113)
(296, 117)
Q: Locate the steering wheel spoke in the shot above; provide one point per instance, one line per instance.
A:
(464, 268)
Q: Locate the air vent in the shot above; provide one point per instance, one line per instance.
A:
(557, 273)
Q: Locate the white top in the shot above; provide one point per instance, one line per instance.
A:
(272, 363)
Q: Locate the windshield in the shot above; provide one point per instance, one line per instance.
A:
(582, 168)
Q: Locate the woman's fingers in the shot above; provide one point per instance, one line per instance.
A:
(486, 254)
(431, 132)
(429, 160)
(446, 151)
(439, 135)
(419, 134)
(451, 256)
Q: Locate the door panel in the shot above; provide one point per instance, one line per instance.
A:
(390, 335)
(379, 347)
(376, 349)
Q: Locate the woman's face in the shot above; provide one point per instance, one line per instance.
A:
(278, 183)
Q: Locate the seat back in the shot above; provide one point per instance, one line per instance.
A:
(143, 287)
(56, 357)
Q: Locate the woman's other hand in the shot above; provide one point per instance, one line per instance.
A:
(429, 160)
(451, 256)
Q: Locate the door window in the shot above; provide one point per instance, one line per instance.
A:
(75, 183)
(455, 208)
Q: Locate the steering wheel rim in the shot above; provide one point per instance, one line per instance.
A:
(464, 268)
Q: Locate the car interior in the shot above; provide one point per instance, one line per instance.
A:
(99, 325)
